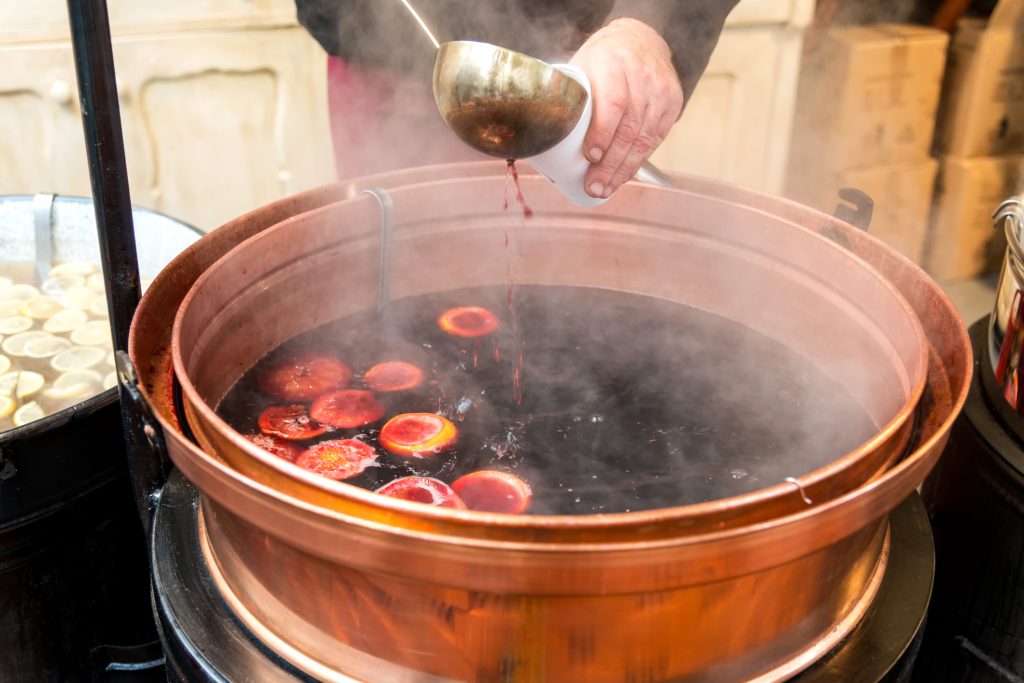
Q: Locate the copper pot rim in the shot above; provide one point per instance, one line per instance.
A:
(368, 498)
(901, 474)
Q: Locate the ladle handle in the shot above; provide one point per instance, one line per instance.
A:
(652, 175)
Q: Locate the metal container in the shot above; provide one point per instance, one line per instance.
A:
(49, 229)
(345, 585)
(1006, 324)
(73, 594)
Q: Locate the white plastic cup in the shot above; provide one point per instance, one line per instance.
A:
(564, 164)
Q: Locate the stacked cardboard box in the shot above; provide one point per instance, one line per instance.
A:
(865, 118)
(980, 138)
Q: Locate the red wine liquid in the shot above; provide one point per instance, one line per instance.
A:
(634, 402)
(527, 211)
(517, 385)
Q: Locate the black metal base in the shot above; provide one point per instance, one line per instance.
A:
(203, 641)
(885, 644)
(975, 498)
(73, 587)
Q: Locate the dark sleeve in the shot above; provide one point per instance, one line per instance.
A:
(690, 27)
(378, 32)
(322, 19)
(366, 29)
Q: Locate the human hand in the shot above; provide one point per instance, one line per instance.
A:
(637, 97)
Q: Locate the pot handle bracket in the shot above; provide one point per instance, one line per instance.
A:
(150, 472)
(857, 215)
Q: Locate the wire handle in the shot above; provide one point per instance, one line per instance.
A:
(42, 218)
(387, 231)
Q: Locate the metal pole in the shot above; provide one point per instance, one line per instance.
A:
(108, 172)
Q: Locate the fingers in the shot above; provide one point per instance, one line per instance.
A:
(611, 98)
(651, 135)
(643, 144)
(600, 176)
(636, 96)
(638, 134)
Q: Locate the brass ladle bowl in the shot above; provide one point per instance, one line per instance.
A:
(510, 105)
(504, 103)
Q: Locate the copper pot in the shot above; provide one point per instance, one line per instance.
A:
(774, 276)
(343, 584)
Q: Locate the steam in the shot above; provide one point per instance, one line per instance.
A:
(402, 35)
(842, 130)
(384, 116)
(721, 411)
(878, 11)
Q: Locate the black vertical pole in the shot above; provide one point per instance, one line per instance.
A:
(108, 172)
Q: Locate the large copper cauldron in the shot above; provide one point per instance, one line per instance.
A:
(344, 584)
(774, 276)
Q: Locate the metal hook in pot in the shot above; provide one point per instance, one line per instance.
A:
(42, 216)
(800, 487)
(387, 230)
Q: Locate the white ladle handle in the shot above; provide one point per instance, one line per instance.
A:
(652, 175)
(565, 165)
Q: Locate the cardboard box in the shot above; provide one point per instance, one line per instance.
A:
(982, 111)
(963, 241)
(903, 200)
(868, 96)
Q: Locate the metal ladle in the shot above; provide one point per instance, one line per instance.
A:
(510, 105)
(504, 103)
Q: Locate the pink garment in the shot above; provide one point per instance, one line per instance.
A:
(382, 121)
